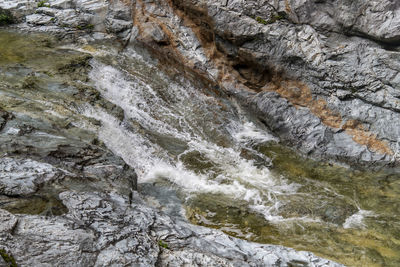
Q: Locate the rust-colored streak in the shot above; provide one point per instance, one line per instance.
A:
(299, 94)
(287, 7)
(296, 92)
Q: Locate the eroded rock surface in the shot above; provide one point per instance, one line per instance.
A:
(105, 229)
(338, 55)
(67, 200)
(323, 75)
(337, 70)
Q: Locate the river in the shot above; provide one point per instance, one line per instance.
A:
(201, 157)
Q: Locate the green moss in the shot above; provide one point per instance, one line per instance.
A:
(273, 19)
(90, 27)
(43, 4)
(261, 20)
(5, 17)
(8, 258)
(30, 82)
(163, 244)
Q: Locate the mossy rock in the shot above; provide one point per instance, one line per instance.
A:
(6, 17)
(163, 244)
(8, 259)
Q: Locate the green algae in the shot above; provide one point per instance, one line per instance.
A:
(42, 205)
(378, 244)
(375, 244)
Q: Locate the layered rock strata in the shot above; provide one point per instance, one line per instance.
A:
(67, 200)
(332, 65)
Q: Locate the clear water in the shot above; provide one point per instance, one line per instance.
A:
(190, 143)
(180, 134)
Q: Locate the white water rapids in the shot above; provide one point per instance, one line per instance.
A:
(170, 121)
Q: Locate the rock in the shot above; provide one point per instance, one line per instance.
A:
(376, 20)
(6, 17)
(300, 66)
(38, 19)
(269, 45)
(61, 4)
(24, 176)
(4, 116)
(19, 9)
(8, 222)
(51, 241)
(72, 15)
(44, 151)
(153, 32)
(103, 229)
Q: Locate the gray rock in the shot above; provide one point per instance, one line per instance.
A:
(24, 176)
(103, 229)
(61, 4)
(153, 32)
(334, 48)
(38, 19)
(8, 222)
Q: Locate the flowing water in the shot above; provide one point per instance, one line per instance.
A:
(190, 143)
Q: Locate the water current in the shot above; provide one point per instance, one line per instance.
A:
(197, 147)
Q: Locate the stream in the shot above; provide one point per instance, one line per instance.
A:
(200, 157)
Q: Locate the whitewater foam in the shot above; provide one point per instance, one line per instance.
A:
(180, 111)
(357, 219)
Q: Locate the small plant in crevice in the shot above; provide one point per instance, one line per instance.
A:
(274, 18)
(90, 27)
(163, 244)
(87, 27)
(9, 259)
(261, 20)
(43, 3)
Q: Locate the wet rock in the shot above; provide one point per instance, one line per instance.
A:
(6, 17)
(65, 16)
(25, 176)
(38, 19)
(102, 229)
(298, 127)
(61, 4)
(328, 46)
(4, 116)
(37, 204)
(107, 223)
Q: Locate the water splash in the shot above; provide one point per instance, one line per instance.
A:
(357, 219)
(166, 111)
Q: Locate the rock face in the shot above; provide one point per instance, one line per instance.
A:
(67, 200)
(74, 18)
(336, 63)
(322, 75)
(333, 64)
(105, 229)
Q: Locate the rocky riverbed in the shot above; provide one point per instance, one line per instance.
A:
(194, 104)
(67, 200)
